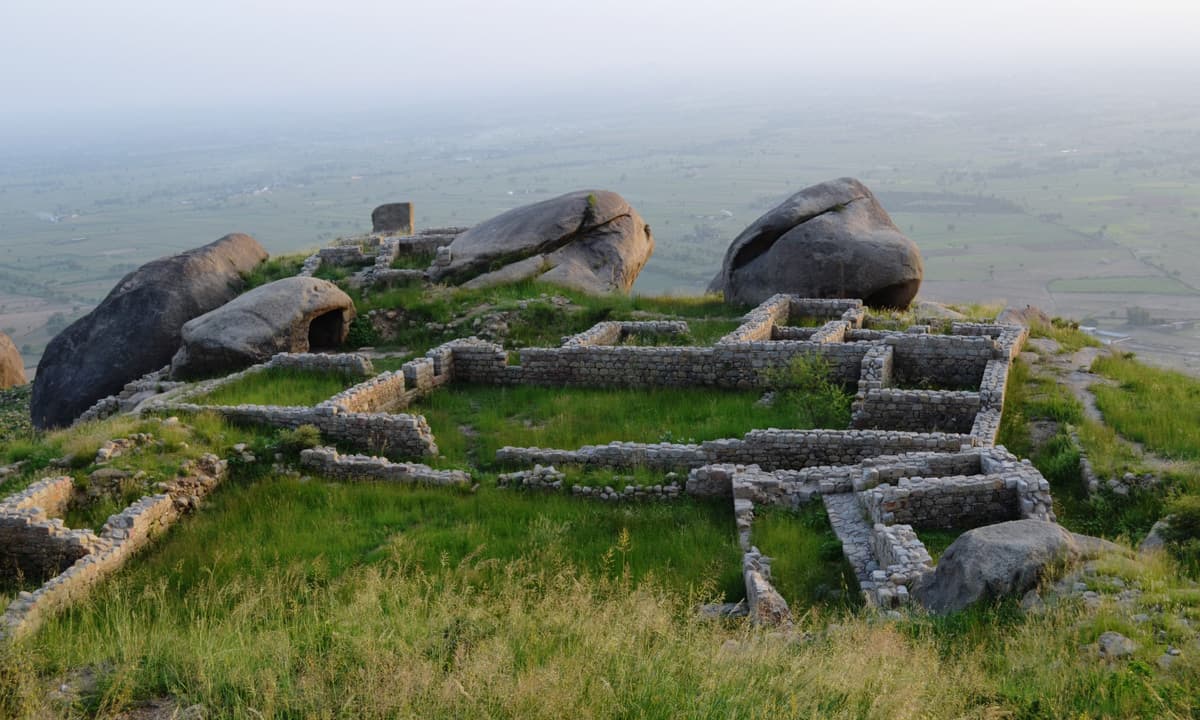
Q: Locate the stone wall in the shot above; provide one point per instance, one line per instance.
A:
(395, 435)
(600, 365)
(613, 332)
(767, 606)
(769, 449)
(328, 462)
(945, 502)
(95, 556)
(130, 396)
(939, 361)
(53, 495)
(351, 364)
(918, 410)
(383, 393)
(36, 547)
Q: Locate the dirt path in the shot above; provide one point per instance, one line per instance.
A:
(1074, 371)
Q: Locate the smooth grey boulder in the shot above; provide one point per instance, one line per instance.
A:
(1002, 560)
(590, 240)
(136, 328)
(12, 367)
(393, 218)
(832, 240)
(296, 314)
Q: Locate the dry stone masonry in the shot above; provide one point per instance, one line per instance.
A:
(920, 451)
(327, 462)
(36, 544)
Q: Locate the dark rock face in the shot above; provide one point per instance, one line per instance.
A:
(1002, 560)
(393, 218)
(136, 328)
(12, 367)
(296, 314)
(832, 240)
(590, 240)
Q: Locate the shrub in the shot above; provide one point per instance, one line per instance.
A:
(806, 385)
(362, 333)
(1185, 519)
(302, 438)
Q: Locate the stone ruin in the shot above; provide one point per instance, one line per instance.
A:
(372, 256)
(396, 218)
(35, 544)
(919, 453)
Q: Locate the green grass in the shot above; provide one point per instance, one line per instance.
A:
(700, 332)
(288, 599)
(472, 422)
(277, 268)
(807, 564)
(1159, 408)
(1067, 334)
(1029, 397)
(389, 364)
(333, 273)
(276, 386)
(1155, 285)
(415, 261)
(534, 320)
(936, 540)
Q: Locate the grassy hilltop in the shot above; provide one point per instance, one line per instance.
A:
(293, 596)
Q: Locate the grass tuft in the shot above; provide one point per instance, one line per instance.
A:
(279, 386)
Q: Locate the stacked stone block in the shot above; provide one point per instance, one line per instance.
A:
(90, 558)
(328, 462)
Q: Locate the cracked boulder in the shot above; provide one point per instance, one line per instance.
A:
(832, 240)
(296, 314)
(590, 240)
(136, 328)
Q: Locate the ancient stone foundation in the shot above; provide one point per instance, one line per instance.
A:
(919, 452)
(71, 562)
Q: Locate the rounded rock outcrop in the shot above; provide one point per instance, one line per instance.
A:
(296, 314)
(1003, 560)
(136, 328)
(12, 367)
(832, 240)
(590, 240)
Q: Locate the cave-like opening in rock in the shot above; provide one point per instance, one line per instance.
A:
(325, 331)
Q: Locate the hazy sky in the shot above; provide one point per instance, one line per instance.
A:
(81, 56)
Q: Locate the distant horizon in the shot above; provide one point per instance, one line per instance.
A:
(26, 131)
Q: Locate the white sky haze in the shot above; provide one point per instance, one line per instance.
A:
(91, 55)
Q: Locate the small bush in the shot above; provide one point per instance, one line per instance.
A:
(1185, 519)
(362, 333)
(806, 385)
(302, 438)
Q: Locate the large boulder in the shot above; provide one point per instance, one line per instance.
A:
(135, 329)
(1003, 560)
(590, 240)
(296, 314)
(12, 367)
(832, 240)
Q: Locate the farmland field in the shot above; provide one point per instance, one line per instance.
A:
(1071, 202)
